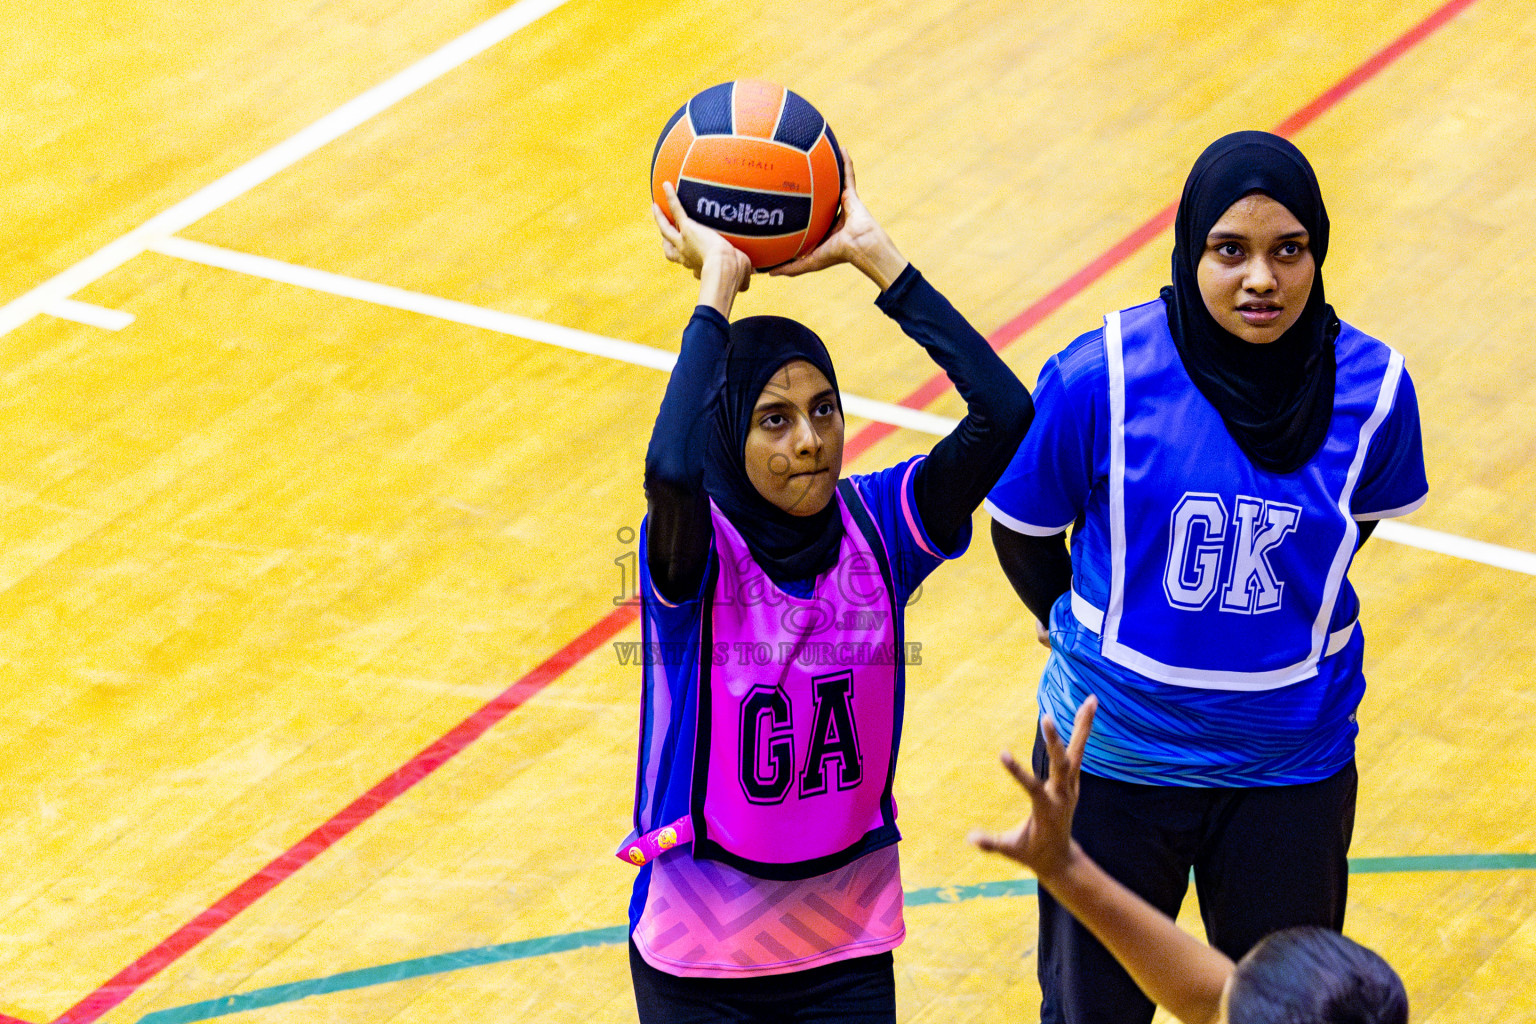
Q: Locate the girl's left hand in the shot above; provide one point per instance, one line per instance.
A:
(856, 238)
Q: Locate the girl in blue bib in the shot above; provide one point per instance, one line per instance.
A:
(1220, 454)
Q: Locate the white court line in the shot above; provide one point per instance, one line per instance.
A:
(275, 160)
(899, 415)
(660, 359)
(54, 293)
(85, 313)
(1457, 547)
(494, 320)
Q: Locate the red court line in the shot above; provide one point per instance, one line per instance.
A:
(1373, 64)
(360, 810)
(126, 982)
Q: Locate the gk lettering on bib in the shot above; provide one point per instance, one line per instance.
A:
(1201, 555)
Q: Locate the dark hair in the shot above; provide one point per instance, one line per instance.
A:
(1315, 976)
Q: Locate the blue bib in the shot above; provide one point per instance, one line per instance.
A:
(1225, 576)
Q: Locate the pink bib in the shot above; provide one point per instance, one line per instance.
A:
(799, 710)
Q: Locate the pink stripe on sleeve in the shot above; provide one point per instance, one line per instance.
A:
(909, 512)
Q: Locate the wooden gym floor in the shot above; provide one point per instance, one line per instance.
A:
(331, 337)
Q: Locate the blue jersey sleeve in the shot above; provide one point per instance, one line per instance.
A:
(1047, 484)
(891, 499)
(1392, 483)
(668, 654)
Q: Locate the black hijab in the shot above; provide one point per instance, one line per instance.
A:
(788, 547)
(1276, 399)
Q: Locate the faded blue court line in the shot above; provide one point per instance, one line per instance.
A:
(443, 963)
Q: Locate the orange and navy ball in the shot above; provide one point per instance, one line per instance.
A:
(755, 162)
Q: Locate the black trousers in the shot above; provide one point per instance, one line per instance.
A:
(1263, 858)
(857, 991)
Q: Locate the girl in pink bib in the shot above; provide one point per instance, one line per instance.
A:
(772, 593)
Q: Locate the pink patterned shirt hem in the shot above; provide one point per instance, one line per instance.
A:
(703, 919)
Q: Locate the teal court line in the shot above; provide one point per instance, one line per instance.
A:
(443, 963)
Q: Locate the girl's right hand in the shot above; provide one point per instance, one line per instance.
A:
(720, 267)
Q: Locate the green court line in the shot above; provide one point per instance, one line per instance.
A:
(1444, 862)
(369, 976)
(443, 963)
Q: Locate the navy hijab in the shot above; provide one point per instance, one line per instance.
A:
(788, 547)
(1276, 399)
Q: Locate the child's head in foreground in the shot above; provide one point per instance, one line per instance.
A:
(1314, 976)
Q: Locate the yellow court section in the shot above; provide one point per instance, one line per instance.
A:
(265, 543)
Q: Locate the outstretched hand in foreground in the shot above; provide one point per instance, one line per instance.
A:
(1173, 968)
(1043, 841)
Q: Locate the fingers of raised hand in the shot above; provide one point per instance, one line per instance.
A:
(671, 238)
(984, 840)
(1009, 844)
(804, 265)
(793, 268)
(665, 226)
(1048, 730)
(1082, 725)
(1056, 750)
(674, 204)
(1022, 775)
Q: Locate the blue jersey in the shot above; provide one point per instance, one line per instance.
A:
(1210, 608)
